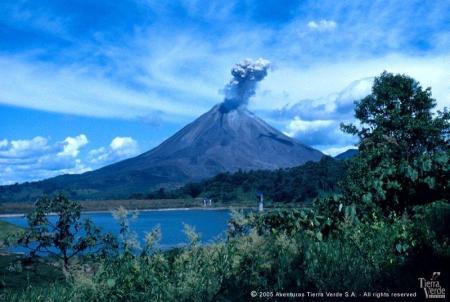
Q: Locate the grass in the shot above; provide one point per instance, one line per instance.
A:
(16, 274)
(7, 229)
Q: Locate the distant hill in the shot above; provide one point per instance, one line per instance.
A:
(347, 154)
(218, 141)
(297, 184)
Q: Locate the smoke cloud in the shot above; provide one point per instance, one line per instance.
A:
(242, 86)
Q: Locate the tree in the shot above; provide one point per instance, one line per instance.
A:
(403, 150)
(193, 189)
(65, 235)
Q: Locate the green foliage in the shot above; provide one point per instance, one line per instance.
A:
(17, 274)
(128, 238)
(288, 222)
(353, 256)
(50, 292)
(294, 185)
(404, 149)
(9, 233)
(193, 189)
(432, 223)
(65, 237)
(357, 256)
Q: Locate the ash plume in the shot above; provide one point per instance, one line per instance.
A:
(242, 86)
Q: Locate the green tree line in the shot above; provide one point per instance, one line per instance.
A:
(294, 185)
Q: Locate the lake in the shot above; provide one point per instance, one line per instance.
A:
(210, 224)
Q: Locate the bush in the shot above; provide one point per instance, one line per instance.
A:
(278, 250)
(67, 236)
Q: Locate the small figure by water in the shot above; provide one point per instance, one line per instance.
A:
(207, 202)
(260, 197)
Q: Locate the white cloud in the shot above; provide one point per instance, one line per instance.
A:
(72, 145)
(336, 106)
(119, 148)
(124, 146)
(288, 84)
(317, 122)
(81, 91)
(322, 25)
(179, 78)
(320, 134)
(37, 158)
(297, 126)
(23, 148)
(356, 91)
(333, 151)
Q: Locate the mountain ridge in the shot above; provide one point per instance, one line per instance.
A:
(349, 153)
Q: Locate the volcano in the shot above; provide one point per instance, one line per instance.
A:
(221, 140)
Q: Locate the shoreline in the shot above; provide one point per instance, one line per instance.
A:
(100, 206)
(12, 215)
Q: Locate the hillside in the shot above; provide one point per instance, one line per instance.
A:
(347, 154)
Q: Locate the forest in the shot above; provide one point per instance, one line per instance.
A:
(292, 185)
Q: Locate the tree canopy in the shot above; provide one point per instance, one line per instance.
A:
(404, 147)
(63, 235)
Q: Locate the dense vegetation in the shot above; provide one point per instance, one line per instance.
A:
(404, 148)
(388, 226)
(298, 184)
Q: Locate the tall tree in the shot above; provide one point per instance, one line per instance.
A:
(404, 147)
(55, 228)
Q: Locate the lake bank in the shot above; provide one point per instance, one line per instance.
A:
(22, 208)
(12, 215)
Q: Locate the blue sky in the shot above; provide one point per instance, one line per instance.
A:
(87, 83)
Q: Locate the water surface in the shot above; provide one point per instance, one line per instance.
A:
(210, 224)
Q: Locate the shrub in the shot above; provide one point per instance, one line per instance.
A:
(67, 236)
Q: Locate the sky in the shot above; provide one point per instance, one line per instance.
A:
(87, 83)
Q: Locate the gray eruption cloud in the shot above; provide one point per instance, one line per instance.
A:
(242, 86)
